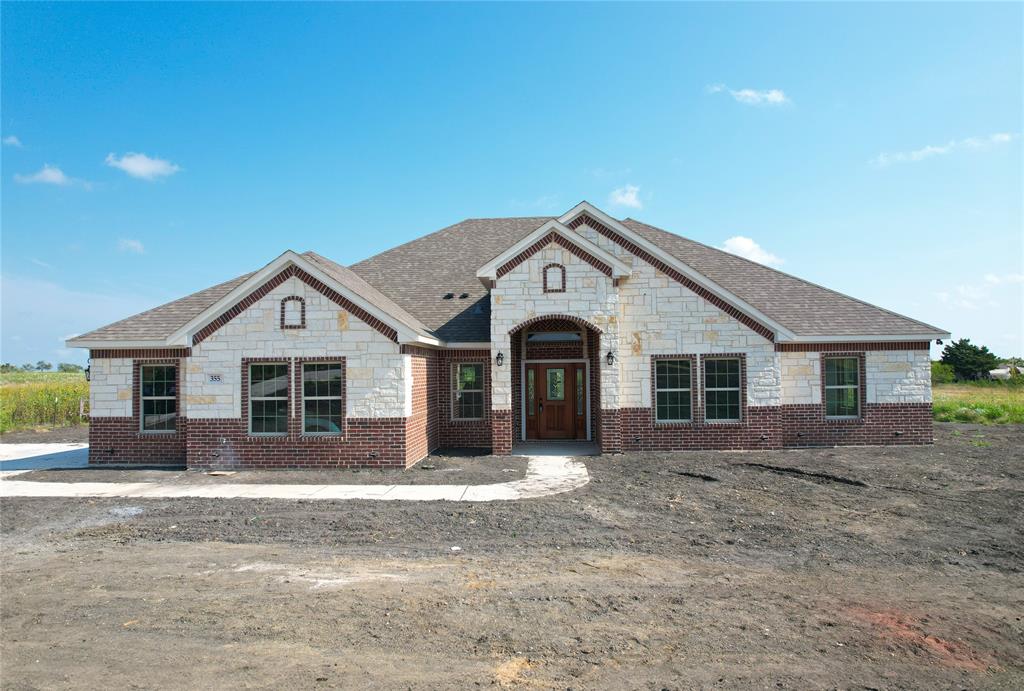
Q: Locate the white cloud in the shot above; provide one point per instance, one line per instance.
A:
(628, 195)
(129, 245)
(752, 97)
(40, 262)
(47, 175)
(142, 166)
(11, 140)
(748, 249)
(1005, 278)
(886, 159)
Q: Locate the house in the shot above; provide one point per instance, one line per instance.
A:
(494, 331)
(1005, 372)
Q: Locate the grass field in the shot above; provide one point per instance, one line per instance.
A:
(982, 402)
(41, 399)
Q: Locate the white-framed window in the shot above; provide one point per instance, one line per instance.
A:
(722, 390)
(159, 393)
(673, 391)
(468, 391)
(321, 398)
(842, 388)
(268, 398)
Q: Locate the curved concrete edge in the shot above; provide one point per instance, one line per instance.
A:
(545, 475)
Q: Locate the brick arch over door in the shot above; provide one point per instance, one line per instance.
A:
(575, 321)
(592, 354)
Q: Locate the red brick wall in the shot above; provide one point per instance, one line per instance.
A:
(501, 432)
(421, 429)
(880, 424)
(226, 443)
(759, 429)
(452, 433)
(118, 441)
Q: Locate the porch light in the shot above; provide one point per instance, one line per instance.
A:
(87, 374)
(500, 359)
(610, 358)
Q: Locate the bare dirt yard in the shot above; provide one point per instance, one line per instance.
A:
(829, 568)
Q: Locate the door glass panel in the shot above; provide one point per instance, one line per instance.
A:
(579, 392)
(531, 391)
(556, 384)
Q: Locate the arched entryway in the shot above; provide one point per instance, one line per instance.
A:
(556, 374)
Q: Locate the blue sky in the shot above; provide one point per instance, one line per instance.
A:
(153, 150)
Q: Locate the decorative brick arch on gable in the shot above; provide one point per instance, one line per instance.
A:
(302, 312)
(575, 321)
(556, 286)
(637, 251)
(322, 288)
(557, 239)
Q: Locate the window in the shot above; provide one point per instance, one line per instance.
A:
(579, 392)
(531, 391)
(842, 387)
(321, 398)
(722, 390)
(556, 383)
(672, 391)
(268, 398)
(469, 392)
(159, 398)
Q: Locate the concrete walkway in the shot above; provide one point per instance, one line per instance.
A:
(545, 475)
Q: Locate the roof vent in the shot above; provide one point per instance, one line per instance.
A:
(448, 296)
(464, 296)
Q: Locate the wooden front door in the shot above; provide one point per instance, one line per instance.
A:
(555, 401)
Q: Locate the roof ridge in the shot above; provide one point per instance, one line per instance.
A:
(787, 275)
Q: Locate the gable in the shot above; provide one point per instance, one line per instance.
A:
(550, 233)
(293, 272)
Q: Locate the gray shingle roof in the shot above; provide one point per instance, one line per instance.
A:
(359, 286)
(160, 322)
(418, 274)
(805, 308)
(412, 282)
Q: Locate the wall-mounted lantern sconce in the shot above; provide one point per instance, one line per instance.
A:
(500, 359)
(88, 376)
(610, 358)
(938, 341)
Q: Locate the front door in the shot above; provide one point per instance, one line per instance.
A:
(555, 401)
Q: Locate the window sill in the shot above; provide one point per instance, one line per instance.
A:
(673, 423)
(722, 422)
(457, 420)
(158, 433)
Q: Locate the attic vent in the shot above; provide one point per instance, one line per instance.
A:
(464, 296)
(448, 296)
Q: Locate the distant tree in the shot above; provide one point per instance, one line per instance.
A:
(8, 367)
(43, 366)
(69, 367)
(942, 373)
(968, 360)
(28, 367)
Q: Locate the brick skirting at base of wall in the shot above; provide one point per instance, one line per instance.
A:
(366, 443)
(117, 441)
(758, 430)
(398, 442)
(881, 424)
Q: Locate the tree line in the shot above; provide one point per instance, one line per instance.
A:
(41, 366)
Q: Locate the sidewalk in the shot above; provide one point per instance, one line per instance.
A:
(545, 475)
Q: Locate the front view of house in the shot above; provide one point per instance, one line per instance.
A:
(492, 332)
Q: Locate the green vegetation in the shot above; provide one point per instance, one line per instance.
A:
(968, 361)
(984, 402)
(41, 399)
(942, 373)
